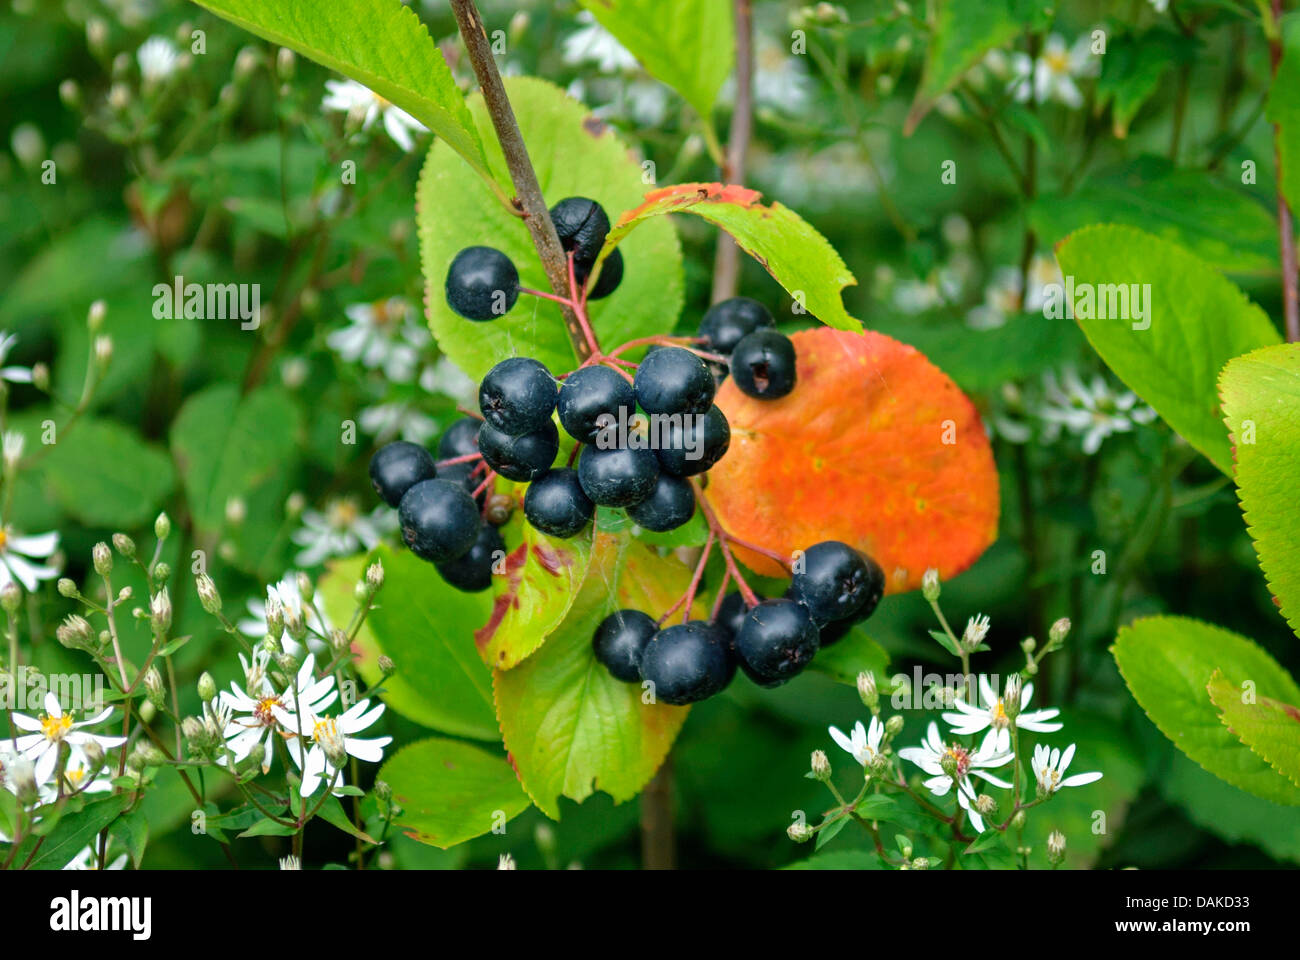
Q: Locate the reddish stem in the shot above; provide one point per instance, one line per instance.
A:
(658, 339)
(688, 598)
(467, 458)
(716, 530)
(475, 414)
(722, 595)
(546, 296)
(580, 310)
(487, 482)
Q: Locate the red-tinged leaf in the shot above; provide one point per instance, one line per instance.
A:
(569, 726)
(788, 247)
(532, 593)
(875, 446)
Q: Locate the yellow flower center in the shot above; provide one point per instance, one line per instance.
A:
(1057, 62)
(343, 513)
(264, 713)
(54, 728)
(327, 729)
(998, 716)
(4, 537)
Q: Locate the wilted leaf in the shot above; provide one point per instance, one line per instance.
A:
(875, 446)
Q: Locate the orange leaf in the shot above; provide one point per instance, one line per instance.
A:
(875, 446)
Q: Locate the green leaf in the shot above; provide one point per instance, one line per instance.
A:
(532, 593)
(1283, 110)
(1224, 810)
(1269, 727)
(379, 43)
(427, 628)
(985, 841)
(450, 792)
(574, 154)
(686, 44)
(876, 806)
(964, 31)
(106, 476)
(1260, 394)
(853, 654)
(829, 832)
(840, 860)
(1132, 69)
(227, 446)
(332, 812)
(1196, 321)
(72, 834)
(269, 828)
(787, 246)
(131, 830)
(1213, 218)
(1167, 663)
(571, 727)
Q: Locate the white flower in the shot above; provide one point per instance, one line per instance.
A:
(1160, 6)
(1049, 766)
(780, 80)
(340, 530)
(258, 712)
(383, 335)
(12, 374)
(289, 596)
(385, 421)
(1052, 75)
(971, 719)
(74, 777)
(17, 553)
(1091, 410)
(863, 744)
(932, 753)
(977, 628)
(83, 860)
(333, 741)
(594, 44)
(446, 378)
(1002, 297)
(53, 728)
(157, 58)
(350, 97)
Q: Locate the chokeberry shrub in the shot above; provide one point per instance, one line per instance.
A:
(425, 422)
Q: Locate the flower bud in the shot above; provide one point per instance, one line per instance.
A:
(948, 764)
(147, 711)
(339, 640)
(977, 628)
(256, 756)
(162, 573)
(11, 597)
(274, 617)
(921, 863)
(102, 559)
(1055, 847)
(1058, 632)
(22, 776)
(821, 766)
(209, 597)
(97, 35)
(153, 687)
(124, 545)
(894, 726)
(1011, 697)
(207, 687)
(196, 735)
(1028, 644)
(1018, 821)
(236, 511)
(799, 832)
(375, 577)
(306, 588)
(386, 666)
(94, 754)
(125, 594)
(41, 377)
(67, 588)
(294, 623)
(103, 350)
(162, 527)
(361, 593)
(986, 804)
(75, 633)
(160, 611)
(867, 690)
(930, 585)
(383, 791)
(284, 63)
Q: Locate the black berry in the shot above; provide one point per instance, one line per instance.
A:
(762, 364)
(611, 275)
(670, 505)
(777, 639)
(582, 225)
(587, 394)
(521, 458)
(472, 572)
(727, 322)
(694, 444)
(731, 615)
(619, 477)
(397, 467)
(439, 520)
(674, 380)
(459, 440)
(620, 640)
(517, 396)
(687, 663)
(556, 504)
(838, 582)
(463, 475)
(482, 283)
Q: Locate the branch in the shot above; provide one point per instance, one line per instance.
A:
(726, 264)
(1285, 223)
(528, 194)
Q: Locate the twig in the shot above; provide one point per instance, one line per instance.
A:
(528, 194)
(1285, 224)
(726, 264)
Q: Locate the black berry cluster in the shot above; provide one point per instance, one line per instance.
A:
(835, 587)
(642, 431)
